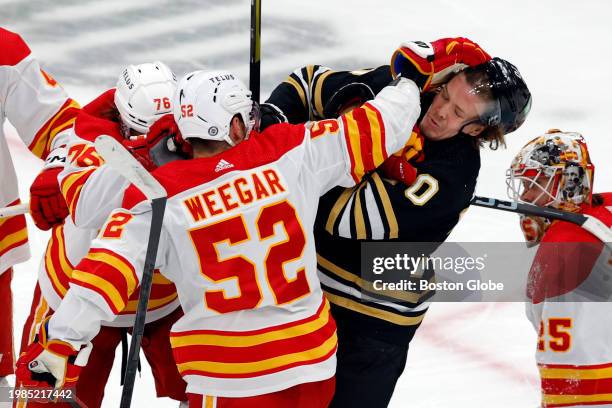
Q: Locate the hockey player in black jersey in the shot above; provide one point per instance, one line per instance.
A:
(417, 195)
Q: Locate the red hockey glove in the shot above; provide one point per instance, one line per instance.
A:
(138, 147)
(50, 363)
(162, 144)
(398, 167)
(166, 128)
(47, 204)
(428, 64)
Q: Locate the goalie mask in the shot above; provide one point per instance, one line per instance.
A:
(206, 101)
(144, 94)
(552, 170)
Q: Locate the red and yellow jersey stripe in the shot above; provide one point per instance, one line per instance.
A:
(108, 274)
(58, 267)
(62, 120)
(230, 354)
(163, 292)
(13, 232)
(364, 131)
(114, 279)
(72, 185)
(572, 385)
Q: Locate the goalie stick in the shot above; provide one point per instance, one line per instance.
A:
(122, 161)
(588, 222)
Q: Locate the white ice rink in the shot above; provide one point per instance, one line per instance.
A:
(464, 355)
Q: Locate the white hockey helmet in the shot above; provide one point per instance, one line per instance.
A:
(144, 93)
(206, 101)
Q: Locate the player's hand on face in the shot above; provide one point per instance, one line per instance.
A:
(138, 147)
(162, 144)
(429, 63)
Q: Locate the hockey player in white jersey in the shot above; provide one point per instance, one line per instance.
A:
(39, 109)
(92, 190)
(570, 281)
(237, 241)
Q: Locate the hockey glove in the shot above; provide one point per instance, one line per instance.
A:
(349, 96)
(270, 115)
(50, 363)
(47, 204)
(162, 144)
(533, 229)
(429, 64)
(398, 166)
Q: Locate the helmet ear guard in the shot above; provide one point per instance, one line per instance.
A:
(143, 95)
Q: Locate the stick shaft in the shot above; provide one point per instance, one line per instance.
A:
(13, 210)
(255, 60)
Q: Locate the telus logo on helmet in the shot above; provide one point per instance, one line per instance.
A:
(128, 81)
(220, 78)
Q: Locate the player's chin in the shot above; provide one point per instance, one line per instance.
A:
(429, 133)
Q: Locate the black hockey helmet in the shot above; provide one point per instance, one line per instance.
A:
(513, 99)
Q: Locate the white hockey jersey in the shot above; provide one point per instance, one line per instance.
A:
(92, 190)
(237, 241)
(39, 109)
(571, 290)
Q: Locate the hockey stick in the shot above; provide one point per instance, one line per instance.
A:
(122, 161)
(589, 223)
(13, 210)
(254, 65)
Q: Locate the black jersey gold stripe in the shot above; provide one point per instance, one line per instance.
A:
(358, 220)
(384, 202)
(407, 299)
(295, 82)
(317, 92)
(372, 311)
(333, 220)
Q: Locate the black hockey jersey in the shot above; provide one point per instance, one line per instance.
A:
(379, 209)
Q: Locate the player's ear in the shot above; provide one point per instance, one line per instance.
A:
(237, 129)
(474, 129)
